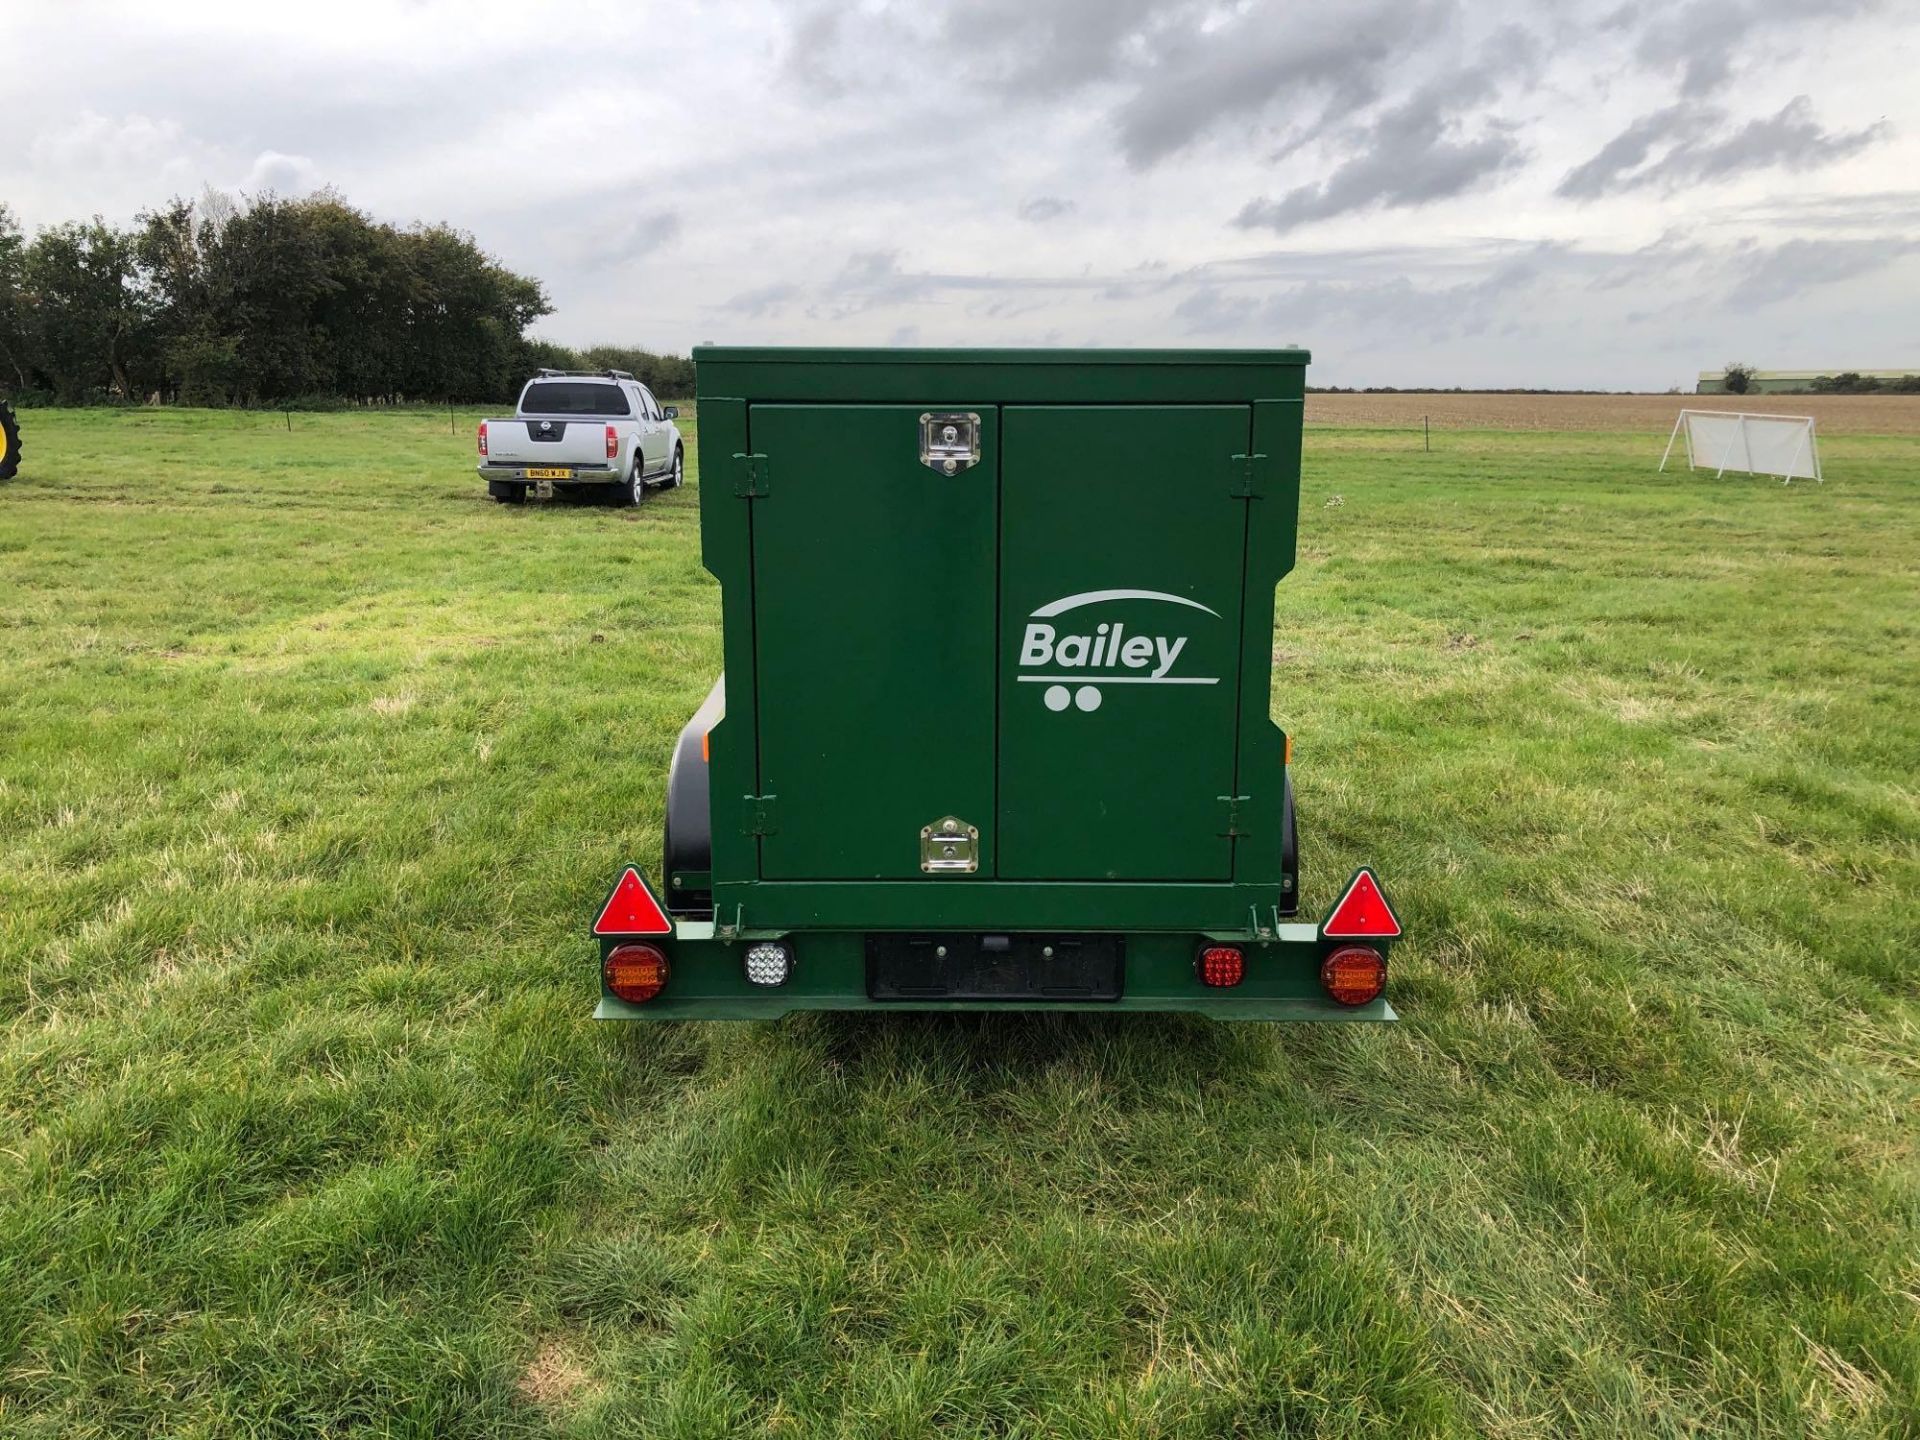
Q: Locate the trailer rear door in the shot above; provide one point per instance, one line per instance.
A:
(1122, 569)
(874, 640)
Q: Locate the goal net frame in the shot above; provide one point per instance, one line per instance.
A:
(1736, 453)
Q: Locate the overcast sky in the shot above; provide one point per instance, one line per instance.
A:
(1612, 194)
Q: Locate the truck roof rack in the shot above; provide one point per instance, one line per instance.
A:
(547, 372)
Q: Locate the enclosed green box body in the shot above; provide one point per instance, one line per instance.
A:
(998, 677)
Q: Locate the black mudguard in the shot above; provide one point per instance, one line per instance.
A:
(1289, 851)
(687, 846)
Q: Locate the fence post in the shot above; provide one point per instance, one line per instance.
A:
(1426, 430)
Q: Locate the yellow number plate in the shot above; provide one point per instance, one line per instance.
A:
(549, 474)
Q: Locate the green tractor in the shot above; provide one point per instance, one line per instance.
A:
(9, 443)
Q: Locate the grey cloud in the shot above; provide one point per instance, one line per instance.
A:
(1045, 207)
(1270, 56)
(813, 51)
(1702, 38)
(1496, 300)
(1057, 46)
(870, 280)
(1876, 211)
(1792, 139)
(1787, 271)
(630, 238)
(1666, 258)
(1181, 68)
(1626, 150)
(869, 269)
(1404, 288)
(764, 300)
(1529, 298)
(1408, 157)
(649, 233)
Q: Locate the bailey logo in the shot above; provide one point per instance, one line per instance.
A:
(1105, 654)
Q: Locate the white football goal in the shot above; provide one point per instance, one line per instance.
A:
(1723, 440)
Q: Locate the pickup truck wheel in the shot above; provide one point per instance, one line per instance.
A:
(511, 494)
(679, 468)
(637, 484)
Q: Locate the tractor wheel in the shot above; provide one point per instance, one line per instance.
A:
(9, 444)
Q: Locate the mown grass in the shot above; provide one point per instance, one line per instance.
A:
(314, 762)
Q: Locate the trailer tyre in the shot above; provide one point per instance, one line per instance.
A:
(9, 444)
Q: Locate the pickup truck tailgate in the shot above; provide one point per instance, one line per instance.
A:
(547, 442)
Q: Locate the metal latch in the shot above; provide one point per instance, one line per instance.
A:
(949, 440)
(950, 846)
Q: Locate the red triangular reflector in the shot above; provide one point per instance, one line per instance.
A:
(632, 910)
(1363, 912)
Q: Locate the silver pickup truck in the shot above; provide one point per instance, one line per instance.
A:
(573, 429)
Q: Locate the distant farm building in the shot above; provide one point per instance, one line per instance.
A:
(1714, 382)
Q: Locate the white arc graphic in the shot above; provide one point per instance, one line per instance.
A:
(1094, 597)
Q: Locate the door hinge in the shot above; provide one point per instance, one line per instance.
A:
(749, 476)
(1238, 807)
(1246, 476)
(760, 819)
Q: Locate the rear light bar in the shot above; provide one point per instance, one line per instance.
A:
(613, 443)
(635, 973)
(483, 437)
(1353, 975)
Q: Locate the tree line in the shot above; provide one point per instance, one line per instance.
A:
(1739, 379)
(271, 301)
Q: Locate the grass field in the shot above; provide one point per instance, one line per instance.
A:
(313, 764)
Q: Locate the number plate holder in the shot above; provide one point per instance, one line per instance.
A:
(1023, 968)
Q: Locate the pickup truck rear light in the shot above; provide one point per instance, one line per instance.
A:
(1353, 974)
(483, 437)
(635, 973)
(1220, 966)
(613, 443)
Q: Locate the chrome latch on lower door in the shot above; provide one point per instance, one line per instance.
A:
(950, 846)
(949, 440)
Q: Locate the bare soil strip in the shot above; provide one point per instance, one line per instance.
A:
(1836, 414)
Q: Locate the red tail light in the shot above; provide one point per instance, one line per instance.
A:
(1220, 966)
(636, 973)
(483, 437)
(1353, 974)
(613, 443)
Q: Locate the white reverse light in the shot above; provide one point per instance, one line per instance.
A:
(768, 964)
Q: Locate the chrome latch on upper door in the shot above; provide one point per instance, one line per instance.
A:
(949, 440)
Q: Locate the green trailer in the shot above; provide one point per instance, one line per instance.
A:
(994, 726)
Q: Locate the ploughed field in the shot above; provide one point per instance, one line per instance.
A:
(315, 763)
(1835, 414)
